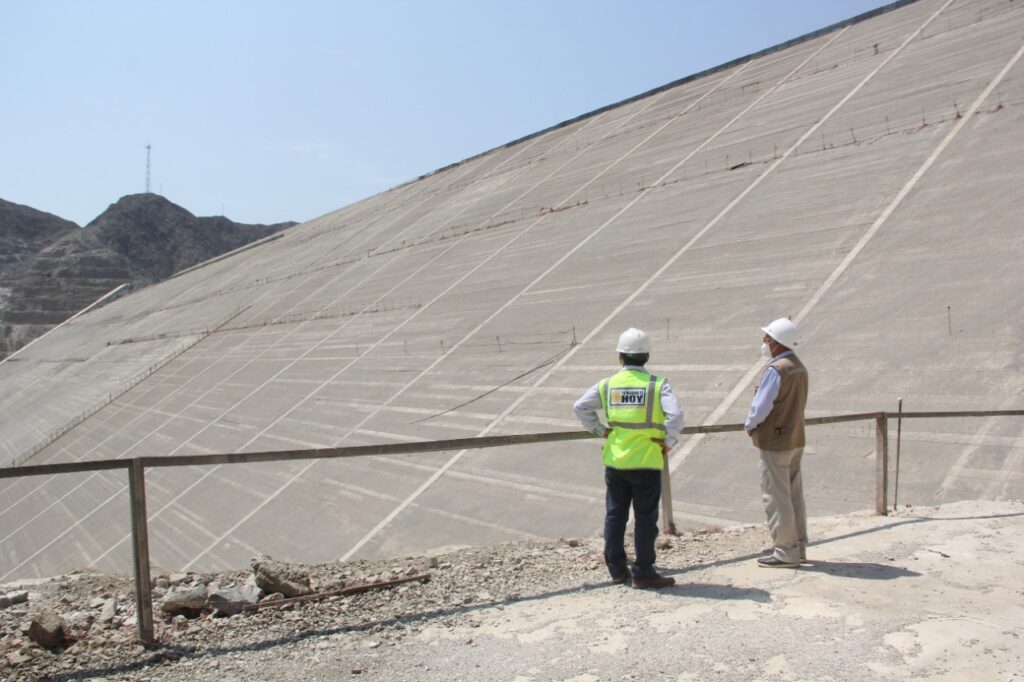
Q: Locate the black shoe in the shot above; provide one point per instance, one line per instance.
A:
(620, 579)
(772, 562)
(653, 581)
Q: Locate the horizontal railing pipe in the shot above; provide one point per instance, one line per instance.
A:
(961, 413)
(835, 419)
(136, 468)
(64, 468)
(436, 445)
(366, 450)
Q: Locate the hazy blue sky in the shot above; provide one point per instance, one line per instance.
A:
(272, 111)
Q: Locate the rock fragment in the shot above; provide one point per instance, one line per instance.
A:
(184, 600)
(277, 576)
(46, 629)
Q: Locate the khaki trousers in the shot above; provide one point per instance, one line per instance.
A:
(782, 491)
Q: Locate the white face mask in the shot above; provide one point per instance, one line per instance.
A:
(766, 351)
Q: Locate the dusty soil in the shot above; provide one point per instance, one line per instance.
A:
(932, 593)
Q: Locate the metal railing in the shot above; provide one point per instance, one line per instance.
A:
(137, 483)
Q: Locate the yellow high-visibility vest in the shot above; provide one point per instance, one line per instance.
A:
(632, 405)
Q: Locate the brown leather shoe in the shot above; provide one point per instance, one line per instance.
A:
(654, 581)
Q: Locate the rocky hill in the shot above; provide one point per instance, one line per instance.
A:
(50, 268)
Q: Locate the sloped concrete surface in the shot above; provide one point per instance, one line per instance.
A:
(865, 181)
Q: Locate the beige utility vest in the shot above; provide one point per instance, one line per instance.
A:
(783, 429)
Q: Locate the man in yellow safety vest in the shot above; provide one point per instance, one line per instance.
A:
(642, 419)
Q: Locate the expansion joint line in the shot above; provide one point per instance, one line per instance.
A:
(658, 273)
(129, 385)
(430, 367)
(455, 458)
(154, 409)
(246, 340)
(32, 494)
(327, 382)
(547, 361)
(742, 384)
(119, 492)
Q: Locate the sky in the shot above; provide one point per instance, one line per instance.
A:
(274, 111)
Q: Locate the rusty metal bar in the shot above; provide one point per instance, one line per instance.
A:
(835, 419)
(899, 436)
(961, 413)
(430, 446)
(355, 589)
(365, 450)
(668, 522)
(64, 468)
(881, 465)
(290, 455)
(140, 552)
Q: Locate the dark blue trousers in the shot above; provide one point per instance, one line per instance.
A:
(640, 488)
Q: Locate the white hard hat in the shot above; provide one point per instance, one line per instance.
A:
(784, 331)
(634, 342)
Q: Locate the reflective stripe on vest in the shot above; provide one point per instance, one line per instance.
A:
(648, 422)
(631, 401)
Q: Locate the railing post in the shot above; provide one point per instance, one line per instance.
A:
(881, 464)
(899, 434)
(668, 522)
(140, 551)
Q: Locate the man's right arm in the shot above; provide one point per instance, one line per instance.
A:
(767, 392)
(587, 409)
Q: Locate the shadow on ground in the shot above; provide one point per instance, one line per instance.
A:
(714, 591)
(858, 570)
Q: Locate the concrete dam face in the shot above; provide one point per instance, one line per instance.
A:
(864, 180)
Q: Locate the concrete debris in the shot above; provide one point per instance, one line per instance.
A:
(46, 629)
(230, 601)
(192, 600)
(184, 599)
(196, 612)
(108, 610)
(12, 598)
(277, 576)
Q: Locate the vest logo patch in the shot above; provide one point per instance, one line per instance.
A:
(628, 397)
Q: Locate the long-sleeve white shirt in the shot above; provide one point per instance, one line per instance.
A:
(588, 409)
(764, 398)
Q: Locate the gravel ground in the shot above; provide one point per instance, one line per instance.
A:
(363, 633)
(925, 594)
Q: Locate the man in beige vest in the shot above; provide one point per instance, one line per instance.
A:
(776, 425)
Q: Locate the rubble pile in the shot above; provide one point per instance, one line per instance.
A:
(83, 625)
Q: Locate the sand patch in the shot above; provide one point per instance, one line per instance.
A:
(953, 648)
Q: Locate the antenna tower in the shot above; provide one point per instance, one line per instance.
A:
(147, 169)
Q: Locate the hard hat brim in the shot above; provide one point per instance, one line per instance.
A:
(790, 345)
